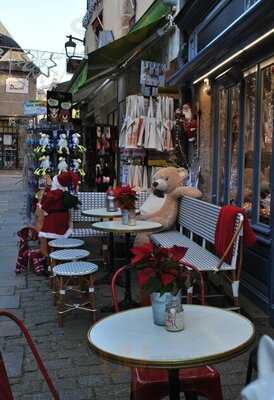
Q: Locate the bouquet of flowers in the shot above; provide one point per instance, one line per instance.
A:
(160, 268)
(125, 197)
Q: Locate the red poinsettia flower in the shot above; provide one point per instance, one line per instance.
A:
(177, 253)
(169, 277)
(145, 275)
(141, 252)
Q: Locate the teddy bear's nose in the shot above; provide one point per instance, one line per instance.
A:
(155, 184)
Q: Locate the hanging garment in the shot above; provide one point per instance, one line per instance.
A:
(145, 178)
(152, 138)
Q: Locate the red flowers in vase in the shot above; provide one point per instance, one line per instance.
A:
(125, 197)
(159, 268)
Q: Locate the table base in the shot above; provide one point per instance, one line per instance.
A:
(174, 384)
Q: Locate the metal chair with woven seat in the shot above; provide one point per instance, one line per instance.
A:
(65, 255)
(77, 276)
(66, 243)
(152, 384)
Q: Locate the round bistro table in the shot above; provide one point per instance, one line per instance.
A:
(119, 227)
(211, 335)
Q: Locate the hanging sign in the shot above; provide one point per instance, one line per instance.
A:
(17, 85)
(152, 74)
(59, 107)
(35, 107)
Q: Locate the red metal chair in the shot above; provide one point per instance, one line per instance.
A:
(152, 384)
(5, 389)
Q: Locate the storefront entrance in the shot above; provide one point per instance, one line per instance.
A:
(8, 145)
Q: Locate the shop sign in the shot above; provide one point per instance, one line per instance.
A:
(17, 85)
(152, 74)
(35, 107)
(59, 107)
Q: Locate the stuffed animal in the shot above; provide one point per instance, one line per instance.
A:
(75, 140)
(62, 165)
(44, 141)
(76, 166)
(63, 144)
(162, 205)
(44, 166)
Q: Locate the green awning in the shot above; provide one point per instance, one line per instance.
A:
(156, 11)
(79, 78)
(111, 55)
(115, 52)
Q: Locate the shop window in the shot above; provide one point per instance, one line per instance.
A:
(222, 141)
(267, 89)
(249, 134)
(97, 25)
(234, 144)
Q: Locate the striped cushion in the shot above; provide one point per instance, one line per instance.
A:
(196, 255)
(86, 232)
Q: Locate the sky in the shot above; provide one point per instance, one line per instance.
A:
(43, 25)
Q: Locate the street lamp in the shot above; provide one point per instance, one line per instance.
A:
(70, 45)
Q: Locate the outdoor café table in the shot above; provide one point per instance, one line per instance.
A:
(119, 227)
(211, 335)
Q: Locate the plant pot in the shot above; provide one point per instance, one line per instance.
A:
(132, 217)
(159, 303)
(124, 217)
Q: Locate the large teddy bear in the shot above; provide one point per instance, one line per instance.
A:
(162, 205)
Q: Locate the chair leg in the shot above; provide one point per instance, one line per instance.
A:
(61, 305)
(252, 365)
(92, 296)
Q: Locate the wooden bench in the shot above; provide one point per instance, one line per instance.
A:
(89, 200)
(197, 221)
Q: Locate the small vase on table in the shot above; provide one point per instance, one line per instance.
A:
(132, 217)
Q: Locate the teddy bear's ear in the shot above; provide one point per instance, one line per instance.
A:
(183, 173)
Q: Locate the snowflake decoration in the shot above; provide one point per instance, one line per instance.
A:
(43, 60)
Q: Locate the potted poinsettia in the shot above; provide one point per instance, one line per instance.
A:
(160, 275)
(126, 199)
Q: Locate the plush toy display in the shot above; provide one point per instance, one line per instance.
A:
(162, 205)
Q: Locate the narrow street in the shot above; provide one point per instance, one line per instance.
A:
(77, 372)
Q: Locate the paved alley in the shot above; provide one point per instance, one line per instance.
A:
(77, 372)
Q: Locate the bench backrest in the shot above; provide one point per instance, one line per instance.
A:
(91, 200)
(200, 218)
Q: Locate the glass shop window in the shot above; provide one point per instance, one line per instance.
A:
(266, 133)
(222, 140)
(249, 134)
(234, 144)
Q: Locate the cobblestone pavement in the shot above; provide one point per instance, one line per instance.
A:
(77, 373)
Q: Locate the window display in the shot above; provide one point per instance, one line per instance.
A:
(249, 130)
(266, 141)
(234, 144)
(222, 140)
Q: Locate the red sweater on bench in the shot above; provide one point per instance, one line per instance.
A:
(225, 230)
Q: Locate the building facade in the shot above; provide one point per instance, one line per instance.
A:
(228, 77)
(17, 85)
